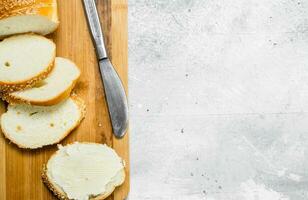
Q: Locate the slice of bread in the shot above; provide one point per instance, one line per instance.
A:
(84, 171)
(36, 16)
(24, 61)
(37, 126)
(52, 90)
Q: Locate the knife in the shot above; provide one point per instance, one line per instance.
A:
(114, 90)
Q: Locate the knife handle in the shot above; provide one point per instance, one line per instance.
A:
(95, 28)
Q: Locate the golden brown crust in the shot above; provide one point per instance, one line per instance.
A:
(4, 87)
(82, 109)
(12, 99)
(12, 87)
(9, 8)
(81, 104)
(60, 194)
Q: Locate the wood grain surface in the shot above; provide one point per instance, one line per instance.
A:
(20, 170)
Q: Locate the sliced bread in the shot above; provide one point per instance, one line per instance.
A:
(37, 16)
(50, 91)
(24, 61)
(37, 126)
(84, 171)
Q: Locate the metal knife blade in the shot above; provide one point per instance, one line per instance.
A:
(114, 90)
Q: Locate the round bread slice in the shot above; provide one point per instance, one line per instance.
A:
(37, 126)
(84, 171)
(24, 61)
(52, 90)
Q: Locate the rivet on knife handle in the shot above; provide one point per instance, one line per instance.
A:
(114, 90)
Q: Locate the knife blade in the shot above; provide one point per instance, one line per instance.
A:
(114, 90)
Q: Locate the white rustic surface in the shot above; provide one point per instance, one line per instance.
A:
(218, 99)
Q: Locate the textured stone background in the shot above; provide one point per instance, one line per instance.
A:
(218, 99)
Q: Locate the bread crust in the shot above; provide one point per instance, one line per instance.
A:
(10, 8)
(5, 87)
(12, 99)
(60, 194)
(57, 192)
(20, 85)
(45, 9)
(82, 109)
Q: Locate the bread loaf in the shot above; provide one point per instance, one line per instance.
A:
(23, 16)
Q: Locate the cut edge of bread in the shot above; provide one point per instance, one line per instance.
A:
(54, 24)
(82, 109)
(12, 99)
(37, 10)
(5, 87)
(12, 87)
(60, 194)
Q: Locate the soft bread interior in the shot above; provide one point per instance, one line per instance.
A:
(37, 16)
(36, 126)
(24, 57)
(50, 90)
(85, 171)
(26, 24)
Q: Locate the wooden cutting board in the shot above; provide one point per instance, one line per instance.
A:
(20, 170)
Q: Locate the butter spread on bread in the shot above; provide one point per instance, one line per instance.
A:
(83, 171)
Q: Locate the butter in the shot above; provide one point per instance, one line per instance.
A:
(82, 170)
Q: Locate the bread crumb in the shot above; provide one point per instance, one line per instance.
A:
(7, 64)
(18, 128)
(51, 124)
(33, 113)
(40, 84)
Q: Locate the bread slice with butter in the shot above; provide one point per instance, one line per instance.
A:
(83, 171)
(52, 90)
(37, 126)
(24, 61)
(36, 16)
